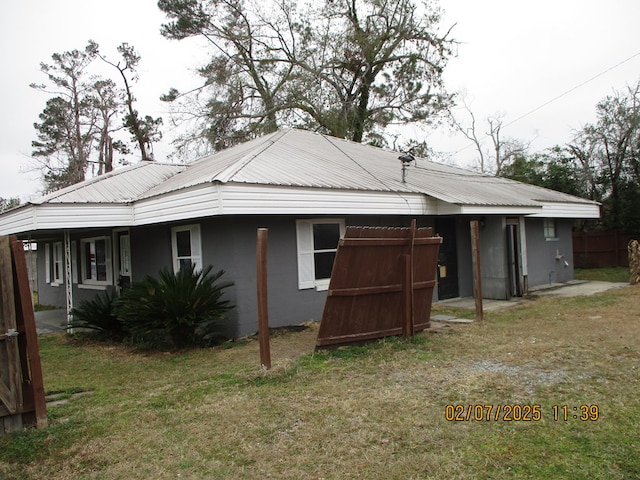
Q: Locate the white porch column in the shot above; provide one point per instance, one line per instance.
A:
(68, 277)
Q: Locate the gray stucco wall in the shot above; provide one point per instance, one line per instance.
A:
(229, 243)
(544, 268)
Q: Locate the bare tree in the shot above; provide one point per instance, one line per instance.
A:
(349, 68)
(609, 151)
(144, 130)
(470, 132)
(505, 150)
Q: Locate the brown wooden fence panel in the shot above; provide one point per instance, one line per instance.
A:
(22, 399)
(369, 296)
(600, 249)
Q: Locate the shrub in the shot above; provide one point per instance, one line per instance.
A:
(100, 314)
(176, 310)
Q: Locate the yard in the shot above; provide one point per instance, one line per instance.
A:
(384, 410)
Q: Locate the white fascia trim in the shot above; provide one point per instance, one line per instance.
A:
(85, 215)
(250, 199)
(56, 216)
(274, 200)
(22, 219)
(569, 210)
(489, 210)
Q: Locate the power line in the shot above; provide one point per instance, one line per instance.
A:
(556, 98)
(572, 89)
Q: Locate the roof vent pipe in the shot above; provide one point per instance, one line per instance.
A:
(406, 159)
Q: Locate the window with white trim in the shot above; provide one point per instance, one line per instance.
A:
(186, 247)
(47, 263)
(550, 230)
(317, 242)
(95, 256)
(57, 265)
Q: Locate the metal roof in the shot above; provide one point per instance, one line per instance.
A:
(123, 185)
(298, 158)
(306, 159)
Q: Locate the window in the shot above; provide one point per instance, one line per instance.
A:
(95, 257)
(185, 247)
(317, 245)
(53, 263)
(550, 232)
(58, 264)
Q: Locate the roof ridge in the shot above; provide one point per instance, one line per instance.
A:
(229, 172)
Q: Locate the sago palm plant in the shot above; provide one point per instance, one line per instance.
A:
(176, 309)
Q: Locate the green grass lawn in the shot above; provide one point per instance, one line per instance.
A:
(386, 410)
(617, 274)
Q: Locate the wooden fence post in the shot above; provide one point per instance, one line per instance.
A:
(263, 306)
(477, 273)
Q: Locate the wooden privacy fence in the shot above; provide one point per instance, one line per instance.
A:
(22, 399)
(381, 284)
(600, 249)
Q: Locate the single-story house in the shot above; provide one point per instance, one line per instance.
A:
(305, 188)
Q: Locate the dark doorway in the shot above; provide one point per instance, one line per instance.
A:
(447, 269)
(513, 249)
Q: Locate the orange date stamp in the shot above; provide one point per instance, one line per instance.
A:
(491, 412)
(519, 413)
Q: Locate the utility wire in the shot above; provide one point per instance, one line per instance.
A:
(556, 98)
(572, 89)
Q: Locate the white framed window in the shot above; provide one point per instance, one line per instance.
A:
(95, 261)
(57, 265)
(186, 247)
(317, 242)
(550, 229)
(47, 263)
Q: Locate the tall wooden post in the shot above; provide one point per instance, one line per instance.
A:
(409, 321)
(263, 306)
(477, 273)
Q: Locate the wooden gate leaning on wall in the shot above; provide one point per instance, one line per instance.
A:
(22, 400)
(381, 284)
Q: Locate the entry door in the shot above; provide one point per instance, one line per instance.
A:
(447, 259)
(514, 256)
(124, 259)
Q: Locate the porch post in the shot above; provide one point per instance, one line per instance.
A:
(68, 277)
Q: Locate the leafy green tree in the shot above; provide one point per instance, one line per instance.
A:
(107, 102)
(84, 115)
(7, 203)
(527, 169)
(67, 125)
(347, 68)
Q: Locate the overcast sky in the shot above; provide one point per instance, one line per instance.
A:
(542, 65)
